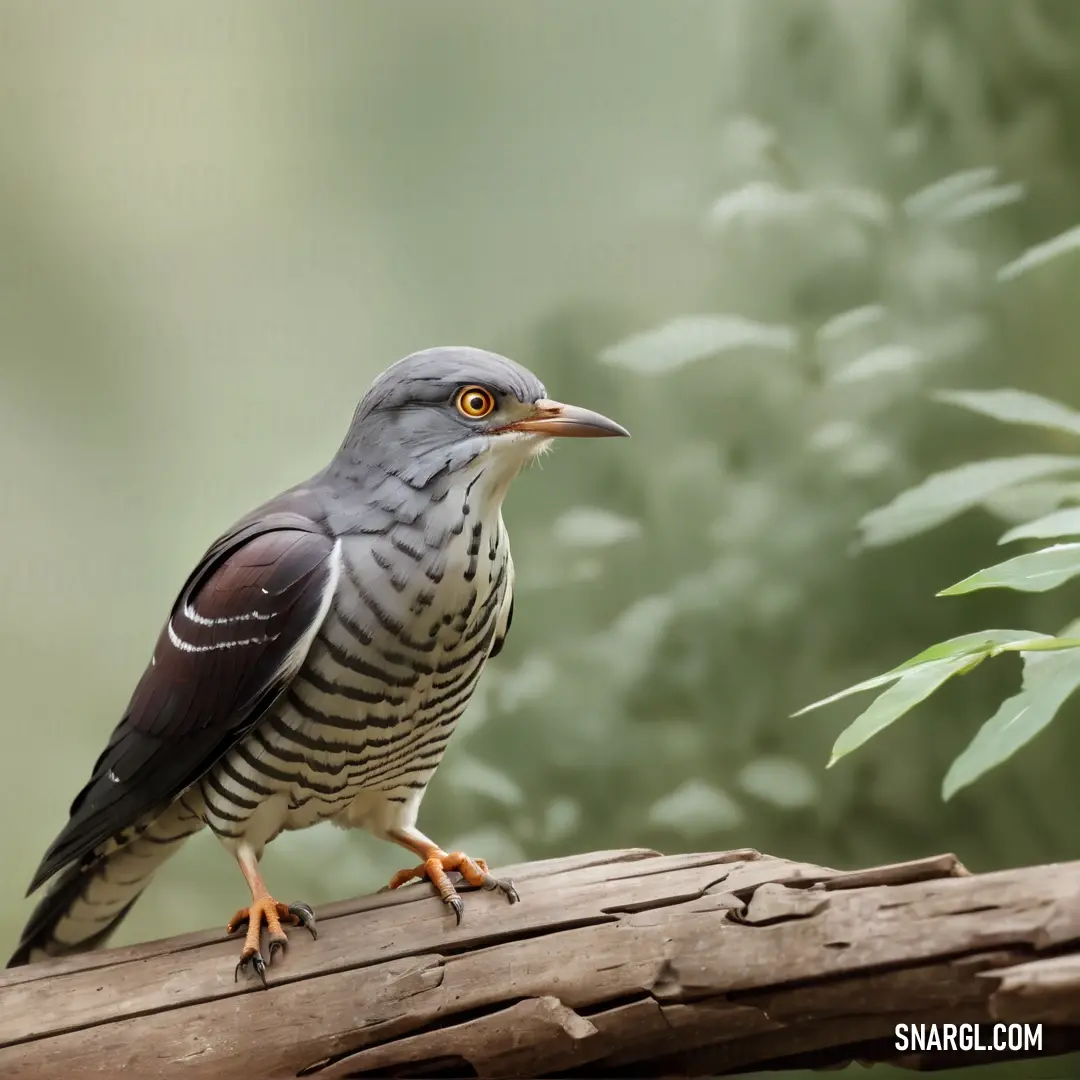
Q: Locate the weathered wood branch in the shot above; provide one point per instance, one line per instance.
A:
(614, 964)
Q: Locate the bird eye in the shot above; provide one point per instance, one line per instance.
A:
(474, 402)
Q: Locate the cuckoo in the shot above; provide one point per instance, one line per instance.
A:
(316, 660)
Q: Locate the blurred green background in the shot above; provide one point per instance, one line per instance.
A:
(703, 218)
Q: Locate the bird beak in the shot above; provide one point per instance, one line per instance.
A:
(555, 418)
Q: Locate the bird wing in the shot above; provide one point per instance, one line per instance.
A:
(237, 634)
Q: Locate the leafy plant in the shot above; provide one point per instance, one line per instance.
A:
(1051, 662)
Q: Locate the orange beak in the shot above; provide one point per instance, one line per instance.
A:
(555, 418)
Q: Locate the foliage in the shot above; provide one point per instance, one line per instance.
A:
(697, 576)
(797, 411)
(1051, 663)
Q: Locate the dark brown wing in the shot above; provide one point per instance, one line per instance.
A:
(238, 633)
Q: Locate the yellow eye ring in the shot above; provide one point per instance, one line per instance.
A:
(474, 402)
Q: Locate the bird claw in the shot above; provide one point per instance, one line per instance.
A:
(304, 917)
(454, 901)
(272, 914)
(504, 885)
(256, 963)
(474, 871)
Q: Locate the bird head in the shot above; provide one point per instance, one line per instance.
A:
(453, 412)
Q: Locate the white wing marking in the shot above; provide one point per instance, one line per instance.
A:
(296, 655)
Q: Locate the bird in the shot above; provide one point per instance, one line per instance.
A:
(316, 660)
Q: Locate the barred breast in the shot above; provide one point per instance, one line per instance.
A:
(360, 731)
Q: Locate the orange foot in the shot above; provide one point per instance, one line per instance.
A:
(265, 909)
(474, 871)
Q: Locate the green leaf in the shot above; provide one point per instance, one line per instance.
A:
(1041, 253)
(1014, 407)
(1040, 644)
(982, 202)
(867, 684)
(1060, 523)
(916, 685)
(984, 643)
(1026, 502)
(475, 777)
(937, 199)
(947, 494)
(697, 807)
(990, 642)
(883, 360)
(695, 337)
(1049, 680)
(962, 195)
(1039, 571)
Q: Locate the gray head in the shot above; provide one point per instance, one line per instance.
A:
(448, 413)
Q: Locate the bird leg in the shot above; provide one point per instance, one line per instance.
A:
(437, 862)
(264, 909)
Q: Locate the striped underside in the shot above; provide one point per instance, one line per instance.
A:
(363, 726)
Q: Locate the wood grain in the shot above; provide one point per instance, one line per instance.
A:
(614, 964)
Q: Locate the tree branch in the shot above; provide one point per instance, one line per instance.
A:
(613, 964)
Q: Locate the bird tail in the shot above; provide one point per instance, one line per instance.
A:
(90, 899)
